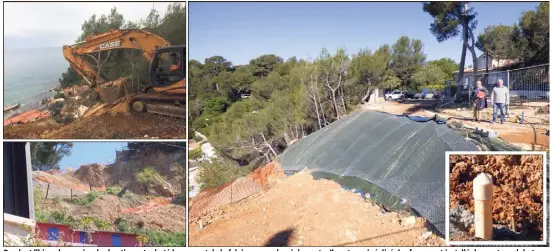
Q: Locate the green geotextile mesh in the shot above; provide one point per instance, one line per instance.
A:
(403, 157)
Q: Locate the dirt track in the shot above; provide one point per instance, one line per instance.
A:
(104, 126)
(518, 188)
(300, 211)
(529, 137)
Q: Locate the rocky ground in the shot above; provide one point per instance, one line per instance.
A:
(102, 122)
(518, 195)
(300, 211)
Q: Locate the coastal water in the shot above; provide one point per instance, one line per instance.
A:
(29, 75)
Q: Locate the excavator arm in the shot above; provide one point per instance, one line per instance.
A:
(144, 41)
(165, 96)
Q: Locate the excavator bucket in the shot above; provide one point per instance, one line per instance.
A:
(112, 91)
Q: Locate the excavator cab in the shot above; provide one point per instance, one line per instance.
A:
(167, 66)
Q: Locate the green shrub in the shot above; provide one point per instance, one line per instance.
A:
(87, 199)
(164, 239)
(123, 225)
(195, 154)
(61, 218)
(41, 216)
(113, 190)
(59, 95)
(37, 197)
(148, 176)
(102, 225)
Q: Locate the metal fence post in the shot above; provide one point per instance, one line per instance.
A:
(508, 85)
(47, 189)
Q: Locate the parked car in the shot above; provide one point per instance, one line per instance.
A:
(429, 96)
(426, 94)
(418, 96)
(533, 93)
(410, 94)
(395, 95)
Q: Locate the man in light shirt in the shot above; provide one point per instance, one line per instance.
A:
(500, 98)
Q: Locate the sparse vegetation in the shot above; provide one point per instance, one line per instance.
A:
(103, 225)
(59, 95)
(87, 199)
(155, 238)
(148, 176)
(164, 239)
(145, 165)
(219, 172)
(113, 190)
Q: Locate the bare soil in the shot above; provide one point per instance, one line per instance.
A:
(102, 122)
(518, 189)
(528, 136)
(157, 213)
(300, 211)
(154, 214)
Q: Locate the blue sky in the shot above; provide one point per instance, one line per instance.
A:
(91, 152)
(241, 31)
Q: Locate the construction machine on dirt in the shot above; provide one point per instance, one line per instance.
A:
(165, 93)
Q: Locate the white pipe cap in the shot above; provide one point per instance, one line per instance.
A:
(482, 187)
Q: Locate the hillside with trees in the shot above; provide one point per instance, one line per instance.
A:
(142, 192)
(250, 113)
(118, 63)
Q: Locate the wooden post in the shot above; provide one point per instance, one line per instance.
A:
(71, 194)
(47, 188)
(482, 194)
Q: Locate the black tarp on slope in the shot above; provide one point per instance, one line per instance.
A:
(399, 155)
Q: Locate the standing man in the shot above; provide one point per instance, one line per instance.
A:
(500, 98)
(480, 98)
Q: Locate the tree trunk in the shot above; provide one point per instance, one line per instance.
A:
(335, 106)
(367, 92)
(471, 49)
(122, 192)
(461, 67)
(325, 122)
(317, 114)
(313, 97)
(342, 99)
(267, 158)
(268, 145)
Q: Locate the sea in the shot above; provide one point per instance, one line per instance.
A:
(30, 75)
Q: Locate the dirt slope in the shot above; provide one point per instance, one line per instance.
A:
(155, 214)
(102, 123)
(300, 211)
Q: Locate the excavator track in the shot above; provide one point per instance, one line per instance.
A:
(168, 105)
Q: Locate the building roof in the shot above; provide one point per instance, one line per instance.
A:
(83, 230)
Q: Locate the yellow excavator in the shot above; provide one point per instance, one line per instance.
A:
(165, 93)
